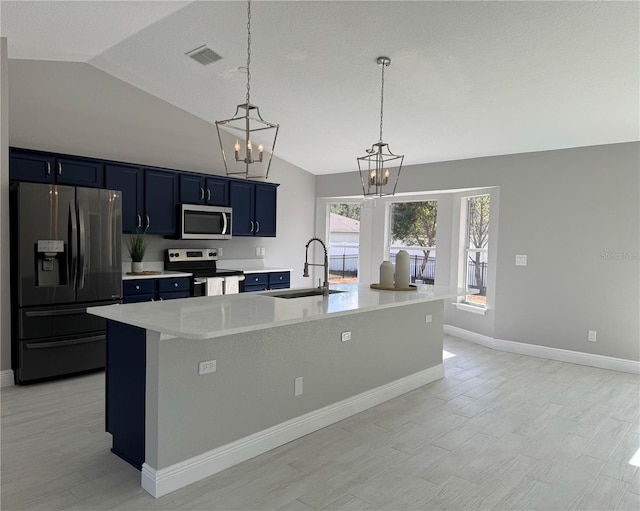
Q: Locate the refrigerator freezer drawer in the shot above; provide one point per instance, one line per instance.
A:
(39, 322)
(48, 358)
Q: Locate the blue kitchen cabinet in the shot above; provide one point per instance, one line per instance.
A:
(130, 181)
(199, 189)
(254, 208)
(265, 209)
(242, 199)
(149, 198)
(160, 200)
(267, 281)
(147, 290)
(40, 167)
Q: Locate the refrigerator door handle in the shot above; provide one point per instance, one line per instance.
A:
(82, 256)
(73, 240)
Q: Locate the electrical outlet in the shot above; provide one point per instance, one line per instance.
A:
(263, 251)
(219, 251)
(208, 366)
(592, 336)
(346, 336)
(258, 251)
(297, 386)
(428, 318)
(521, 260)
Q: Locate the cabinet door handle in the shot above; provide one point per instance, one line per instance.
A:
(137, 288)
(48, 169)
(257, 226)
(59, 168)
(201, 193)
(148, 221)
(139, 221)
(208, 194)
(252, 226)
(175, 284)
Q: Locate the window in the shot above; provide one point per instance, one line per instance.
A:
(344, 242)
(412, 227)
(475, 258)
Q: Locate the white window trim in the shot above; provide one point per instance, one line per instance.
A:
(461, 304)
(475, 309)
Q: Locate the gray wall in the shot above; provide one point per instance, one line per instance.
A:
(252, 388)
(576, 214)
(5, 308)
(74, 108)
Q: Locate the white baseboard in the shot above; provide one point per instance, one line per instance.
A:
(573, 357)
(163, 481)
(6, 378)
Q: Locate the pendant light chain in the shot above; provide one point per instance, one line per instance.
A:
(382, 100)
(248, 50)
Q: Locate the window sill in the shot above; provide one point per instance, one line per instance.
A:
(470, 308)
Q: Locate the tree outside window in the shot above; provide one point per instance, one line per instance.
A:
(476, 249)
(413, 228)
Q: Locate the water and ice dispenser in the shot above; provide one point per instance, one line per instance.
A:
(51, 263)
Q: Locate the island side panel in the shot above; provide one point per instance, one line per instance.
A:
(125, 390)
(253, 386)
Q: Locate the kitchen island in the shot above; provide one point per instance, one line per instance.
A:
(275, 369)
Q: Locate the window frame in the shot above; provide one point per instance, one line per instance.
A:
(388, 228)
(465, 249)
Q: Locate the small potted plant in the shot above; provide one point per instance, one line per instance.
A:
(137, 245)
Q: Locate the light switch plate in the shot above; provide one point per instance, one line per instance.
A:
(521, 260)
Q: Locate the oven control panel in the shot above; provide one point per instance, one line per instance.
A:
(175, 255)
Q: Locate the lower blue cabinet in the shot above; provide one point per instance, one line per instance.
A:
(145, 290)
(266, 281)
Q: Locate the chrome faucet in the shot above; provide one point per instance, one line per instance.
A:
(325, 287)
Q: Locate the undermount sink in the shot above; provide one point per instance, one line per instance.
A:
(301, 293)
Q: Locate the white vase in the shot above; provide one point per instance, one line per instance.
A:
(136, 267)
(386, 274)
(402, 269)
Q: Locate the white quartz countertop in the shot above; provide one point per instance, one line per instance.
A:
(161, 275)
(216, 316)
(266, 269)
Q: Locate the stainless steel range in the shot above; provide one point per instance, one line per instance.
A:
(207, 279)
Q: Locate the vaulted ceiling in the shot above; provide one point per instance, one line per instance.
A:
(467, 79)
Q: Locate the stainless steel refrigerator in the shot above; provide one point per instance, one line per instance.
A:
(65, 257)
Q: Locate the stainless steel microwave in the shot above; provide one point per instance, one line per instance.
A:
(201, 222)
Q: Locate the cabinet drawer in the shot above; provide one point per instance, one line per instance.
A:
(253, 279)
(174, 296)
(138, 287)
(172, 285)
(279, 277)
(259, 287)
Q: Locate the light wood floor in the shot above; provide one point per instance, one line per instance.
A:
(501, 431)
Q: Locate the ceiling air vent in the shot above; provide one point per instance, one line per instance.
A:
(203, 55)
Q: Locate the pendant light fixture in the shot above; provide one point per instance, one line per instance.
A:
(255, 138)
(378, 179)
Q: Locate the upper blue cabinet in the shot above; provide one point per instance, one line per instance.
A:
(200, 189)
(35, 166)
(149, 198)
(150, 195)
(254, 208)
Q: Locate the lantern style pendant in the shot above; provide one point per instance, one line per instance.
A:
(378, 173)
(249, 129)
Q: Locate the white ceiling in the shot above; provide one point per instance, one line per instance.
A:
(467, 79)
